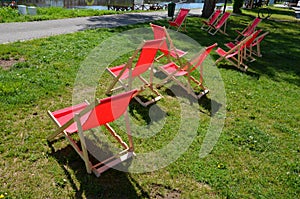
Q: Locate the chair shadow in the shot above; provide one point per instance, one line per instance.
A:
(204, 102)
(110, 184)
(112, 21)
(248, 72)
(150, 114)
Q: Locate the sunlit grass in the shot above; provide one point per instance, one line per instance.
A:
(8, 14)
(257, 155)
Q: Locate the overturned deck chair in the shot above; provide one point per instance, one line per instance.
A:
(83, 117)
(221, 22)
(167, 48)
(126, 73)
(180, 19)
(235, 55)
(211, 20)
(173, 72)
(248, 50)
(249, 29)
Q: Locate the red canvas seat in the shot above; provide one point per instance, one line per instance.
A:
(211, 20)
(173, 71)
(180, 19)
(62, 116)
(167, 48)
(82, 117)
(222, 22)
(236, 54)
(249, 29)
(248, 45)
(126, 73)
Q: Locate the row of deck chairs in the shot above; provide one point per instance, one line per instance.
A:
(245, 47)
(218, 20)
(215, 22)
(83, 117)
(80, 119)
(242, 49)
(147, 55)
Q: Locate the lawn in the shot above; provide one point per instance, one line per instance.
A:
(256, 156)
(8, 14)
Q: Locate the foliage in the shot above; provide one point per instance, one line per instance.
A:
(8, 14)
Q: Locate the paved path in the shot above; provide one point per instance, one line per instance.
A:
(11, 32)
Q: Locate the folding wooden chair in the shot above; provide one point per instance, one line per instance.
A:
(180, 19)
(235, 55)
(160, 33)
(126, 73)
(173, 72)
(249, 29)
(248, 46)
(222, 21)
(211, 20)
(257, 42)
(83, 117)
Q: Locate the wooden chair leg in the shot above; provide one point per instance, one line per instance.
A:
(83, 145)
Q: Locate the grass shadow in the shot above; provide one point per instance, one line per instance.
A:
(204, 102)
(209, 105)
(111, 184)
(112, 21)
(149, 114)
(248, 72)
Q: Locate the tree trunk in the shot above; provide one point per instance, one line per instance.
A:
(237, 5)
(208, 8)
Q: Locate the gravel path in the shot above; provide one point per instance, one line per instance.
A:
(11, 32)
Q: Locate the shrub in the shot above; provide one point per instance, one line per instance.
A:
(8, 14)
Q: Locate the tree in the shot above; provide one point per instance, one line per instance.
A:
(237, 4)
(208, 8)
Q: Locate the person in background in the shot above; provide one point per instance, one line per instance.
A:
(13, 4)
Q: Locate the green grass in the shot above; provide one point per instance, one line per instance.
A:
(256, 156)
(8, 14)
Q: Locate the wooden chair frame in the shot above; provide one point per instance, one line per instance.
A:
(170, 50)
(249, 29)
(235, 55)
(248, 50)
(211, 20)
(221, 22)
(180, 19)
(173, 71)
(83, 117)
(129, 71)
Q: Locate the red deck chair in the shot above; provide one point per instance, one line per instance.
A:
(180, 19)
(211, 20)
(219, 24)
(78, 119)
(249, 29)
(235, 55)
(173, 71)
(248, 45)
(126, 73)
(256, 43)
(161, 32)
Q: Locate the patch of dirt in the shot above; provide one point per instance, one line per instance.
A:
(8, 63)
(160, 191)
